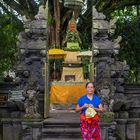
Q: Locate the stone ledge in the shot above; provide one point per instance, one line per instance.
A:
(126, 121)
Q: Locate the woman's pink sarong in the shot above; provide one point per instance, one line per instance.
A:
(90, 128)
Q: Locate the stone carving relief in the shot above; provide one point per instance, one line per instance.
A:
(31, 102)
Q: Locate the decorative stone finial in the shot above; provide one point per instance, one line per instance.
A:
(41, 13)
(97, 15)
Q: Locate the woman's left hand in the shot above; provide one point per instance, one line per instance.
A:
(90, 105)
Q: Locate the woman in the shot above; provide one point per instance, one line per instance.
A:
(89, 124)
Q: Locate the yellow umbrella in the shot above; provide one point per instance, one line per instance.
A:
(56, 54)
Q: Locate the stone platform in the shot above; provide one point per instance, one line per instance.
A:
(61, 125)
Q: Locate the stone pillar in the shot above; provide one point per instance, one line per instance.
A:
(121, 129)
(108, 131)
(32, 130)
(1, 133)
(109, 71)
(102, 57)
(131, 131)
(12, 129)
(26, 132)
(7, 130)
(16, 129)
(32, 46)
(138, 130)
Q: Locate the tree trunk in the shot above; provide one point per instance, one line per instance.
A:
(138, 10)
(51, 32)
(57, 22)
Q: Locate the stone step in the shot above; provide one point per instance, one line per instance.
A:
(62, 138)
(61, 124)
(62, 135)
(64, 129)
(64, 126)
(61, 130)
(63, 107)
(130, 91)
(132, 88)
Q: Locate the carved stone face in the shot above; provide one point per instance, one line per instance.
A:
(31, 94)
(105, 92)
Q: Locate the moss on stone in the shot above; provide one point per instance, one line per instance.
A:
(107, 117)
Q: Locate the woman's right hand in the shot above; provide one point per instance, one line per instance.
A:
(85, 105)
(78, 108)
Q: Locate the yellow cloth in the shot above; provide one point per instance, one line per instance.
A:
(66, 94)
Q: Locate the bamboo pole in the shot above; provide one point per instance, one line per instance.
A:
(47, 87)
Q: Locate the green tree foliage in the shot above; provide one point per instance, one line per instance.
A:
(128, 27)
(9, 29)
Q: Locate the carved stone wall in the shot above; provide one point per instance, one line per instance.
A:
(110, 74)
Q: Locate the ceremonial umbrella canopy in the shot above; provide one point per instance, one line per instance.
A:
(56, 54)
(85, 54)
(74, 4)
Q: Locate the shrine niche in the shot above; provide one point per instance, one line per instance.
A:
(67, 89)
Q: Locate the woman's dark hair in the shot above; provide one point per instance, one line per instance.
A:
(93, 85)
(90, 83)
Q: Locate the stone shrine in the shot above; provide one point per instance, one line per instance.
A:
(72, 67)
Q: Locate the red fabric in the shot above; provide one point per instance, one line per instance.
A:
(90, 128)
